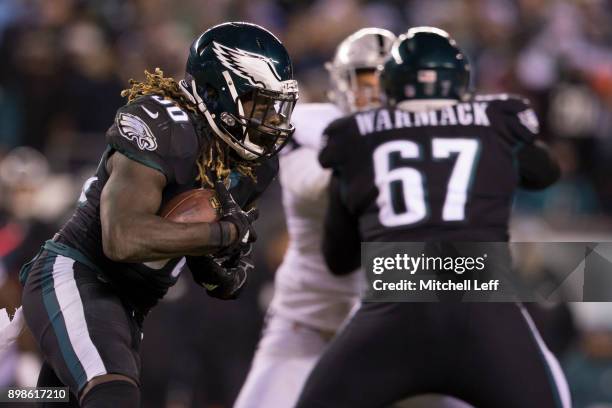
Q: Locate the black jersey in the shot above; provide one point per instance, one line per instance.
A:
(443, 174)
(156, 132)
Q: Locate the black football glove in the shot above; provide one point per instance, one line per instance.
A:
(231, 212)
(223, 280)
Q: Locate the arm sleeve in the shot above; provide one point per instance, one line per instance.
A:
(159, 142)
(341, 238)
(538, 169)
(515, 119)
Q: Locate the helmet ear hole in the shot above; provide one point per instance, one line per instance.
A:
(228, 119)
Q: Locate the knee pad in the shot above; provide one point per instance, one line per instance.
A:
(116, 394)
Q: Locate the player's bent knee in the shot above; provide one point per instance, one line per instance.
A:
(116, 390)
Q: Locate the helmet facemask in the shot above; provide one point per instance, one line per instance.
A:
(359, 56)
(262, 123)
(241, 78)
(260, 126)
(351, 92)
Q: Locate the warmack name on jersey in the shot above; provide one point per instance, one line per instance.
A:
(465, 114)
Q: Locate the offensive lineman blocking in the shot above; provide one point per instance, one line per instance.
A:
(433, 183)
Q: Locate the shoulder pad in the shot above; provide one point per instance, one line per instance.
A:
(160, 120)
(515, 114)
(341, 128)
(336, 141)
(499, 97)
(159, 135)
(310, 120)
(156, 110)
(505, 101)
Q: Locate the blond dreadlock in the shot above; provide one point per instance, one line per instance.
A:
(214, 160)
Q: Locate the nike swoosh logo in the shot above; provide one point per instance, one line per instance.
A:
(151, 114)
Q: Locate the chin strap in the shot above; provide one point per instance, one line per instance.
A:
(197, 100)
(193, 97)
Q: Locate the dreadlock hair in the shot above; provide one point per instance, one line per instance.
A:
(215, 161)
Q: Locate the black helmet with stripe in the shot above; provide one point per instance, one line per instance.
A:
(240, 76)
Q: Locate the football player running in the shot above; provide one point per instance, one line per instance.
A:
(310, 304)
(433, 166)
(88, 290)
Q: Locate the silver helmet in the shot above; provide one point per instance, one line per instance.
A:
(365, 49)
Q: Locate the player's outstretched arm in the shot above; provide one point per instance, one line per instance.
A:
(538, 169)
(131, 230)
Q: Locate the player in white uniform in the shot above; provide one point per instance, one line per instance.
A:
(309, 303)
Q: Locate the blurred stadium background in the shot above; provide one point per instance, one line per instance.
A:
(64, 63)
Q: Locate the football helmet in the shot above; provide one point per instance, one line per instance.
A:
(425, 63)
(241, 78)
(366, 49)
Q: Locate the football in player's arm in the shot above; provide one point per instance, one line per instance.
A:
(89, 288)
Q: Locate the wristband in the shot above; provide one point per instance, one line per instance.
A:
(219, 234)
(225, 230)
